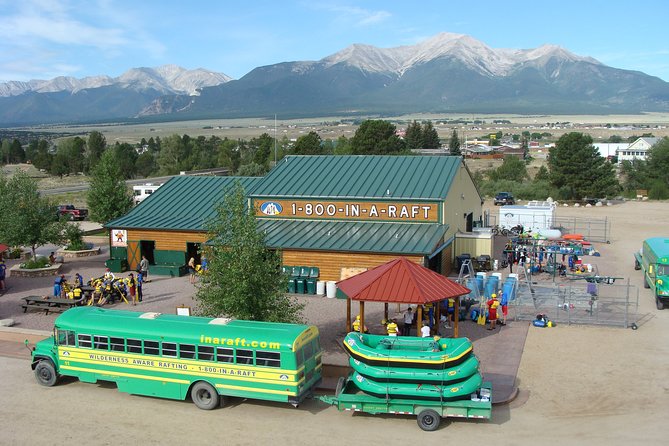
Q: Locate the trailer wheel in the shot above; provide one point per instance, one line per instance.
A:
(634, 326)
(637, 265)
(428, 420)
(204, 396)
(45, 373)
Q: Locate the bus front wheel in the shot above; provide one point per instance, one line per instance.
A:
(204, 396)
(46, 373)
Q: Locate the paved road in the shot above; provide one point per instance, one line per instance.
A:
(82, 187)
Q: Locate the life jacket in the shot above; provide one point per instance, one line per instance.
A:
(392, 328)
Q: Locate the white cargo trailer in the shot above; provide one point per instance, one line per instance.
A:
(536, 216)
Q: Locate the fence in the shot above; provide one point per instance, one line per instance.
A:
(593, 229)
(579, 302)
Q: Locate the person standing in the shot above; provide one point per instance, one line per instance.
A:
(191, 269)
(58, 286)
(392, 328)
(492, 303)
(408, 322)
(144, 268)
(425, 330)
(3, 272)
(132, 288)
(140, 281)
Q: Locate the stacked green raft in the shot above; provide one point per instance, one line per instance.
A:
(417, 368)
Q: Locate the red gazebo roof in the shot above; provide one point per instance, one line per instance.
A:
(401, 281)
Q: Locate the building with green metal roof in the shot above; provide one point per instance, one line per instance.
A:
(339, 214)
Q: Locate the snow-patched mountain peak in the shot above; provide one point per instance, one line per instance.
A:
(170, 79)
(473, 52)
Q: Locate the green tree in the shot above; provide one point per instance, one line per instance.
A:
(95, 145)
(108, 195)
(228, 154)
(525, 146)
(16, 152)
(377, 137)
(262, 148)
(615, 139)
(577, 170)
(244, 279)
(542, 174)
(454, 144)
(145, 165)
(5, 151)
(413, 138)
(27, 218)
(172, 155)
(58, 165)
(309, 144)
(251, 170)
(126, 157)
(343, 146)
(512, 169)
(657, 170)
(43, 158)
(430, 137)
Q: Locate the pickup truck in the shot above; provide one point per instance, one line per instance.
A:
(72, 213)
(504, 198)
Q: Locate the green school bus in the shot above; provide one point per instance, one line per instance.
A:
(653, 259)
(172, 356)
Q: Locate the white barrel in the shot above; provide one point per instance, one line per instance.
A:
(495, 265)
(498, 275)
(320, 287)
(514, 275)
(331, 289)
(589, 266)
(550, 234)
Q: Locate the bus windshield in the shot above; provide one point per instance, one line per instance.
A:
(662, 270)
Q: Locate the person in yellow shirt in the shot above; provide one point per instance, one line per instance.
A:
(393, 329)
(356, 325)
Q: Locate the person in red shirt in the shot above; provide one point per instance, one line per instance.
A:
(493, 303)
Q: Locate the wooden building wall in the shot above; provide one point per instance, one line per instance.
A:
(167, 240)
(331, 263)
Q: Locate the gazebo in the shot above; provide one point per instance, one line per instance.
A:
(401, 281)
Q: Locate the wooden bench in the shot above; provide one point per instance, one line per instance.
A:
(51, 304)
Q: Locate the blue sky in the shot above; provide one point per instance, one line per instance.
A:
(42, 39)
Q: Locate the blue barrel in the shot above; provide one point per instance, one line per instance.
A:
(509, 288)
(490, 288)
(472, 285)
(480, 282)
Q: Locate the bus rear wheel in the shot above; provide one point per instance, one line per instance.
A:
(429, 420)
(659, 304)
(204, 396)
(45, 373)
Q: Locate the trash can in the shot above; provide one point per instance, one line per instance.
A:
(291, 286)
(299, 285)
(331, 288)
(320, 287)
(311, 286)
(461, 259)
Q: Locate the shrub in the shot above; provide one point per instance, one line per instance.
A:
(75, 237)
(39, 262)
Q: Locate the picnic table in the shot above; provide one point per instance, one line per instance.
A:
(48, 303)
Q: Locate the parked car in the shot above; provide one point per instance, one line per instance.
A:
(72, 213)
(504, 198)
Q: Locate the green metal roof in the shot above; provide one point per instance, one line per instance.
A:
(361, 176)
(393, 238)
(183, 203)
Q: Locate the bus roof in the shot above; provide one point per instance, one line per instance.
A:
(659, 245)
(175, 328)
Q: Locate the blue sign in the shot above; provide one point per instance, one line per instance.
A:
(271, 208)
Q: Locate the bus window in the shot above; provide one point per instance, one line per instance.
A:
(84, 340)
(117, 344)
(244, 356)
(134, 346)
(224, 355)
(186, 351)
(205, 353)
(66, 337)
(170, 349)
(101, 342)
(308, 351)
(151, 348)
(299, 359)
(269, 359)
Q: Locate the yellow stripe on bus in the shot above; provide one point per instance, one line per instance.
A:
(190, 372)
(127, 375)
(194, 362)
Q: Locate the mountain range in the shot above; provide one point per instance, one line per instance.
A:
(445, 73)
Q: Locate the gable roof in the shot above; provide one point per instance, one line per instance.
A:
(183, 203)
(361, 176)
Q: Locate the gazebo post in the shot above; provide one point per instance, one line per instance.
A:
(456, 317)
(419, 320)
(348, 315)
(362, 316)
(385, 311)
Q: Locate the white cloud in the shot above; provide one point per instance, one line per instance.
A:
(353, 14)
(51, 34)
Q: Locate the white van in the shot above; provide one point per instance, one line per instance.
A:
(139, 193)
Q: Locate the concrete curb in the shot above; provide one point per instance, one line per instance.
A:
(27, 331)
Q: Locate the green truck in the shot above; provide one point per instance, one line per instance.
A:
(429, 412)
(653, 260)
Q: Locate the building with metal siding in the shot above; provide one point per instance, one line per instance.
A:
(332, 212)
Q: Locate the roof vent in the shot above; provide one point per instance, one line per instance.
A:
(149, 315)
(220, 321)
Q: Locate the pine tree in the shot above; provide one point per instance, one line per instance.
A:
(454, 144)
(430, 137)
(108, 195)
(244, 278)
(413, 136)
